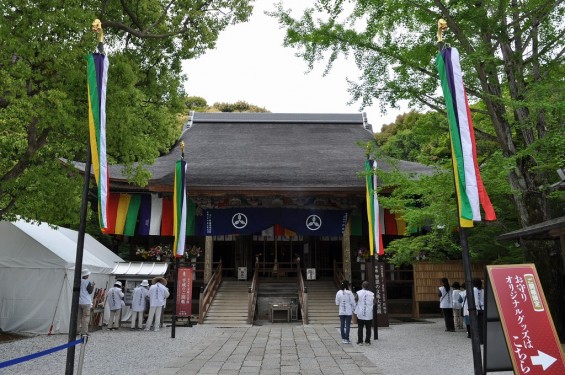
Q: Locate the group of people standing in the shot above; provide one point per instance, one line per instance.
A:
(360, 303)
(144, 298)
(454, 305)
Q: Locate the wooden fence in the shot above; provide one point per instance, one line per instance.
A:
(427, 278)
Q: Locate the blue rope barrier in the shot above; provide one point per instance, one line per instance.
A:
(40, 354)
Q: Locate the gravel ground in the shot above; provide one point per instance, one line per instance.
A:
(107, 352)
(422, 348)
(402, 349)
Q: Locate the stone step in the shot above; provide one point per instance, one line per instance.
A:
(321, 303)
(235, 315)
(229, 307)
(325, 309)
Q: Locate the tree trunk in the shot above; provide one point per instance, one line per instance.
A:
(530, 201)
(549, 263)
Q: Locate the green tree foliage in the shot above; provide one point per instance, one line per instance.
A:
(428, 204)
(512, 61)
(417, 137)
(239, 106)
(43, 97)
(196, 103)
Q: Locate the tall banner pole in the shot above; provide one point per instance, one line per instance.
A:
(475, 340)
(374, 261)
(70, 361)
(69, 369)
(474, 319)
(175, 291)
(180, 213)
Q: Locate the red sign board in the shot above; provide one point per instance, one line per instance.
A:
(530, 334)
(184, 292)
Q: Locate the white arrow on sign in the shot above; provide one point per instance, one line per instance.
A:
(542, 359)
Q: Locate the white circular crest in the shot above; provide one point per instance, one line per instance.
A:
(239, 221)
(313, 222)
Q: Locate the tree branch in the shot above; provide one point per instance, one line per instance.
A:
(141, 34)
(160, 19)
(34, 144)
(131, 15)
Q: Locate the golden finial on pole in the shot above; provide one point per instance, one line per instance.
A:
(97, 28)
(441, 27)
(182, 148)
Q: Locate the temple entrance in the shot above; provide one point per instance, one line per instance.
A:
(278, 255)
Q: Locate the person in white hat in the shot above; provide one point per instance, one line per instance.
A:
(114, 300)
(158, 293)
(138, 303)
(85, 302)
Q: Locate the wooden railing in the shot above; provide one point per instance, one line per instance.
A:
(207, 293)
(252, 296)
(277, 269)
(302, 294)
(338, 275)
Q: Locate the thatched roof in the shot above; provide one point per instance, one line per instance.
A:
(273, 152)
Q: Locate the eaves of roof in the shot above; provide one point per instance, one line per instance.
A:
(546, 230)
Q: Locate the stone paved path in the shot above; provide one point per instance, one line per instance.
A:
(273, 349)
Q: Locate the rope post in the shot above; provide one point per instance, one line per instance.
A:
(81, 355)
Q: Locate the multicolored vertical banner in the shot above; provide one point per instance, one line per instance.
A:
(468, 183)
(373, 209)
(97, 69)
(179, 208)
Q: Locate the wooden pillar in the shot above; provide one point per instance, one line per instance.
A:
(208, 257)
(562, 240)
(346, 249)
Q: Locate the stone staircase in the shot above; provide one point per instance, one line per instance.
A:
(321, 302)
(283, 291)
(278, 289)
(229, 307)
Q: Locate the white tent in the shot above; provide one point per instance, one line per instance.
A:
(37, 273)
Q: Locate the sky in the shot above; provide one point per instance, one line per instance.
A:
(250, 64)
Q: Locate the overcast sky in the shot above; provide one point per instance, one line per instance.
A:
(250, 64)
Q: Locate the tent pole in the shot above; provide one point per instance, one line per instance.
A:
(57, 305)
(78, 263)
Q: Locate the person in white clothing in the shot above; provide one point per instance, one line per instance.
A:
(114, 300)
(457, 316)
(85, 301)
(158, 293)
(446, 305)
(138, 303)
(465, 307)
(364, 311)
(346, 301)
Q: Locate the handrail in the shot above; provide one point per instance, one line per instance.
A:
(208, 293)
(302, 294)
(338, 275)
(276, 269)
(252, 295)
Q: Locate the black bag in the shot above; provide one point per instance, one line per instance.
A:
(146, 310)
